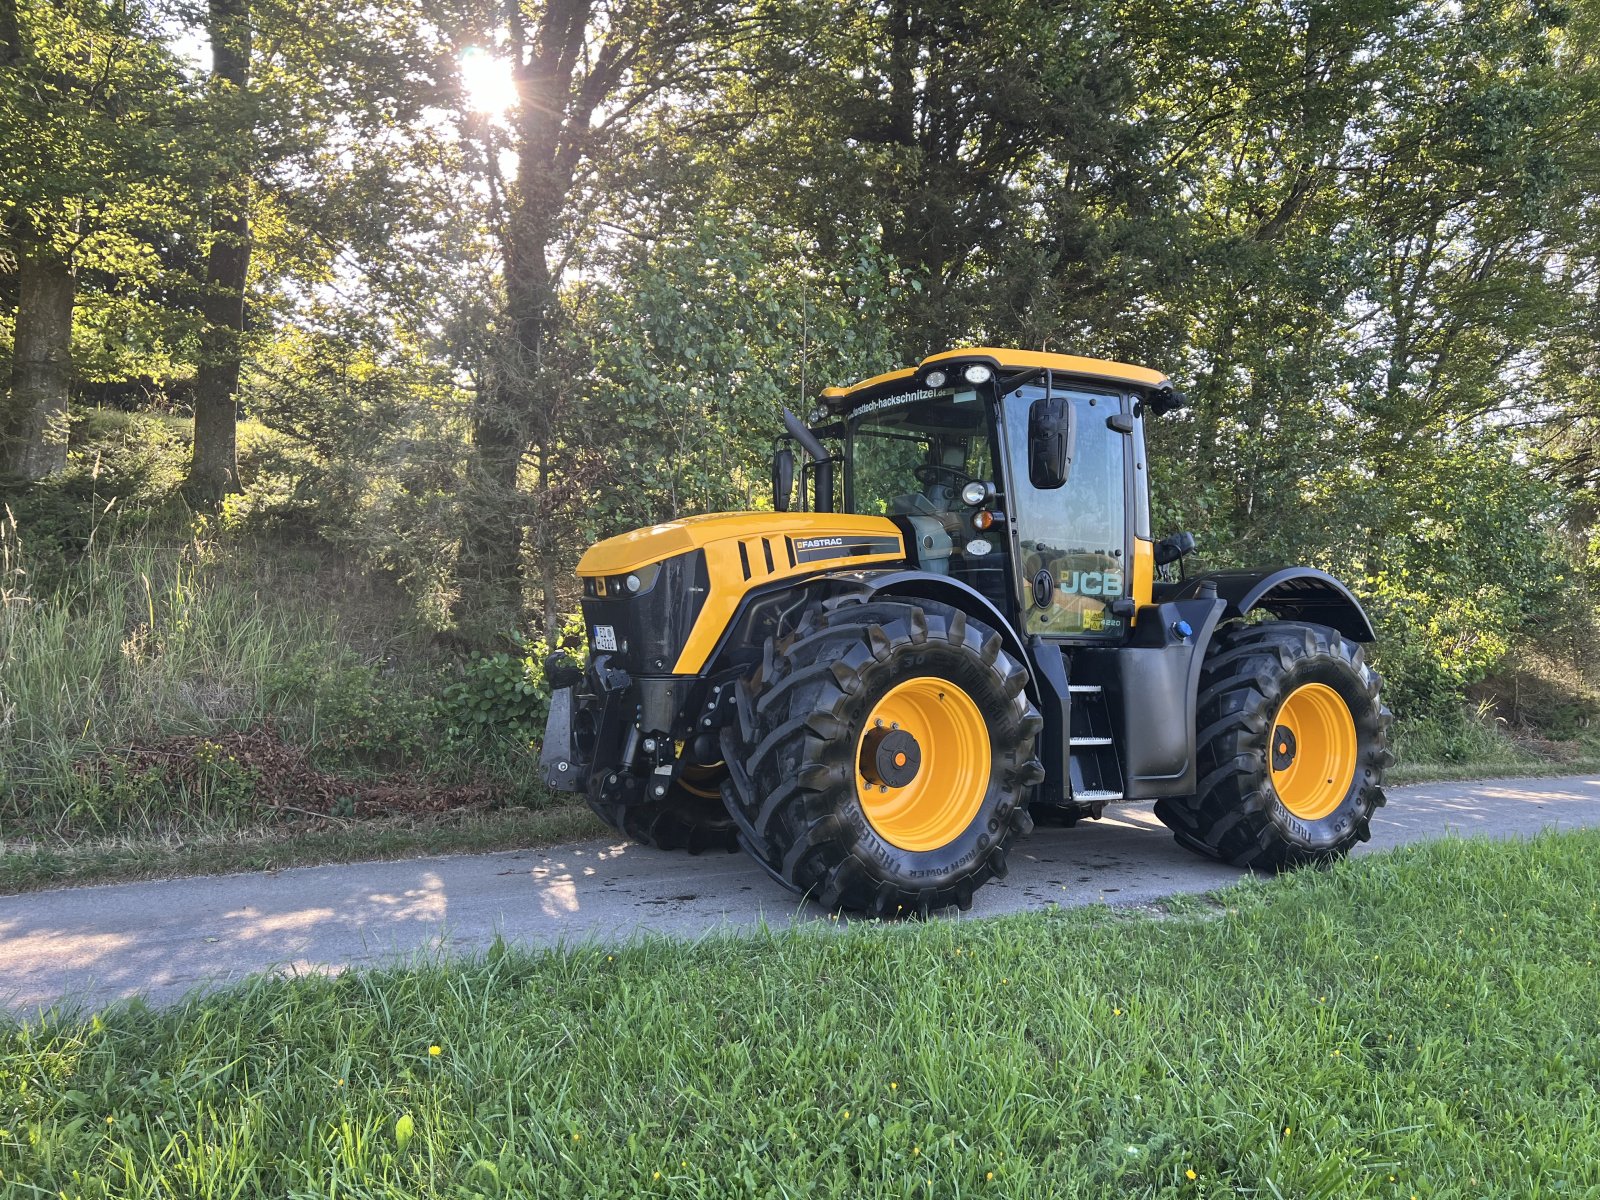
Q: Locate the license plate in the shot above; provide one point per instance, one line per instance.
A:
(605, 637)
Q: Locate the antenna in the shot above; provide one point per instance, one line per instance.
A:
(805, 341)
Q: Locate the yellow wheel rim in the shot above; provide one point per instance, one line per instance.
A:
(922, 763)
(1313, 751)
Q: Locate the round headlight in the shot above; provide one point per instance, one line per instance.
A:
(633, 583)
(977, 373)
(974, 494)
(935, 379)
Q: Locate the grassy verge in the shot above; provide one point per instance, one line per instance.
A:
(263, 849)
(1419, 1023)
(1472, 747)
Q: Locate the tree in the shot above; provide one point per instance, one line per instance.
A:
(583, 69)
(214, 465)
(88, 97)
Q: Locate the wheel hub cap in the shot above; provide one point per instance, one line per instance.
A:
(889, 757)
(1283, 748)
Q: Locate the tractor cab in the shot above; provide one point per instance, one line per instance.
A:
(1021, 475)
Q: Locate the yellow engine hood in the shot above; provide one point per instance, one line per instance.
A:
(745, 551)
(630, 551)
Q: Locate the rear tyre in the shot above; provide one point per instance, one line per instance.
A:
(1290, 751)
(883, 756)
(691, 816)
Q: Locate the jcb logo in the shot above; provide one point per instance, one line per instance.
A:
(1092, 583)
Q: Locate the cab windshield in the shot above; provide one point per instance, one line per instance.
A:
(909, 455)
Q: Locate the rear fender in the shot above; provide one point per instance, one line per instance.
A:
(1288, 593)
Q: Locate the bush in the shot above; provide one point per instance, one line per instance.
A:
(498, 696)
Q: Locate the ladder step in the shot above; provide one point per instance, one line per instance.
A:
(1095, 797)
(1084, 689)
(1091, 741)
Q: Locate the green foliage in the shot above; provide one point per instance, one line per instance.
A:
(503, 696)
(497, 695)
(1354, 1032)
(350, 712)
(722, 328)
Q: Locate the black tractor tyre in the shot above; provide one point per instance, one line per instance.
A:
(792, 756)
(681, 820)
(1236, 814)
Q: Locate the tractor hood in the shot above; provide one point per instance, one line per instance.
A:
(766, 541)
(661, 599)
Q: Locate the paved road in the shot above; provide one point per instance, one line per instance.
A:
(91, 946)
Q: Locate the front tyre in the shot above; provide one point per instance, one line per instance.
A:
(1290, 751)
(883, 757)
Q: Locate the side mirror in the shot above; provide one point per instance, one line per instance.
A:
(782, 478)
(1052, 440)
(1170, 550)
(1168, 399)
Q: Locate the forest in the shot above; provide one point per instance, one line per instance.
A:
(331, 333)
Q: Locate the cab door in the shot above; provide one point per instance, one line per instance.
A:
(1072, 542)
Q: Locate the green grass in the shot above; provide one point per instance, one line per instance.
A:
(1416, 1023)
(1476, 747)
(107, 860)
(175, 629)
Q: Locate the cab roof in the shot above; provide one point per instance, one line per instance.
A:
(1003, 360)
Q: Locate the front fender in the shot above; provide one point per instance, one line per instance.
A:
(944, 590)
(1288, 593)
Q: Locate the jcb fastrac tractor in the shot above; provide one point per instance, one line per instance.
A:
(877, 696)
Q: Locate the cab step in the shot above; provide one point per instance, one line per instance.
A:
(1095, 767)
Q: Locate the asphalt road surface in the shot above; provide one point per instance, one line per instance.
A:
(91, 946)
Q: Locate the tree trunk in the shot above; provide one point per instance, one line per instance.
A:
(214, 467)
(10, 34)
(41, 369)
(514, 415)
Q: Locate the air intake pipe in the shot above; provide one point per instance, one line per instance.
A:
(822, 477)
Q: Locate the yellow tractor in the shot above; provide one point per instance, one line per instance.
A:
(967, 627)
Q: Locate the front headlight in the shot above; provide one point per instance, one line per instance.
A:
(641, 580)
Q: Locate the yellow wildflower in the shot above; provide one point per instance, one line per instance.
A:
(434, 1051)
(1189, 1174)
